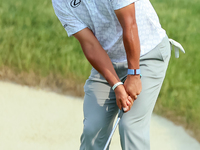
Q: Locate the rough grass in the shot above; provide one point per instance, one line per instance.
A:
(35, 50)
(32, 39)
(179, 97)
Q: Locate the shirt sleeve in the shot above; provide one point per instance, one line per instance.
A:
(118, 4)
(71, 24)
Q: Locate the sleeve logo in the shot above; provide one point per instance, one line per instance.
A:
(75, 3)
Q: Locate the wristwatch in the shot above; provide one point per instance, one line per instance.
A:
(134, 72)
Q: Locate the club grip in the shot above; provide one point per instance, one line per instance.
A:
(120, 114)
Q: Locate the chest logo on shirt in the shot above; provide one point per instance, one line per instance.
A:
(75, 3)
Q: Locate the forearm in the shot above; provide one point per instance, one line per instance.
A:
(132, 46)
(96, 55)
(127, 19)
(100, 60)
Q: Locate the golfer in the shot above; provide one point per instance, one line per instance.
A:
(129, 51)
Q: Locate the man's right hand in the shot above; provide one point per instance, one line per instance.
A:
(123, 100)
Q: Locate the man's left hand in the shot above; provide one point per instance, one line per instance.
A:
(133, 86)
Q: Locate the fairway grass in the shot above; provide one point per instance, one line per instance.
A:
(35, 50)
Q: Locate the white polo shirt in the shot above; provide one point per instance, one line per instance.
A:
(99, 16)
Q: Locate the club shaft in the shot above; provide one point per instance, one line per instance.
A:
(114, 128)
(111, 134)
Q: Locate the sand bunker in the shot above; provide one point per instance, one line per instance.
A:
(34, 119)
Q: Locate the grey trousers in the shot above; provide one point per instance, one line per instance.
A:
(100, 107)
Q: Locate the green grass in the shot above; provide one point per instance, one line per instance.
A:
(181, 89)
(33, 40)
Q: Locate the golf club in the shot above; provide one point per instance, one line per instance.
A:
(120, 114)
